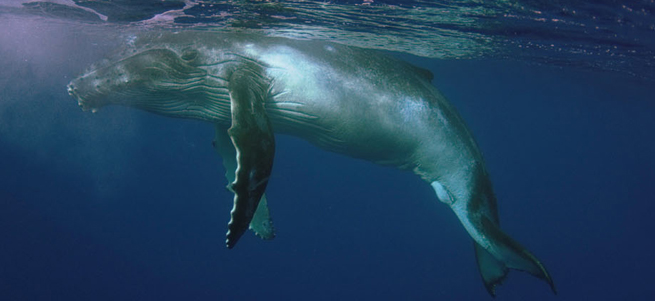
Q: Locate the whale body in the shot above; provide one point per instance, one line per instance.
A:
(347, 100)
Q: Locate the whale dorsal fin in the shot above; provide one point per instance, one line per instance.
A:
(252, 136)
(261, 224)
(425, 73)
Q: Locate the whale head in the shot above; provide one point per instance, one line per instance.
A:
(157, 80)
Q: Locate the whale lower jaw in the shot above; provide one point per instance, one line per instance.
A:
(193, 100)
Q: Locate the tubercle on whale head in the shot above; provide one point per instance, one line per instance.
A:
(82, 102)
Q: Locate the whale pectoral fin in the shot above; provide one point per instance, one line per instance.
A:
(261, 224)
(252, 136)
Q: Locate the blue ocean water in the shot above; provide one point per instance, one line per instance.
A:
(125, 205)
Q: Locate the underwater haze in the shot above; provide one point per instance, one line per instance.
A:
(127, 205)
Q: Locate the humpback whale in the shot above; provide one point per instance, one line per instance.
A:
(347, 100)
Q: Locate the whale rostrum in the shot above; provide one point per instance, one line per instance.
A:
(347, 100)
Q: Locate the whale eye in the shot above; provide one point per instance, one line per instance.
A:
(189, 54)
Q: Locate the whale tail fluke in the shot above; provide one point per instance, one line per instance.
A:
(507, 254)
(493, 272)
(495, 251)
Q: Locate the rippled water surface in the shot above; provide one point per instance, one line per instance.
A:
(600, 35)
